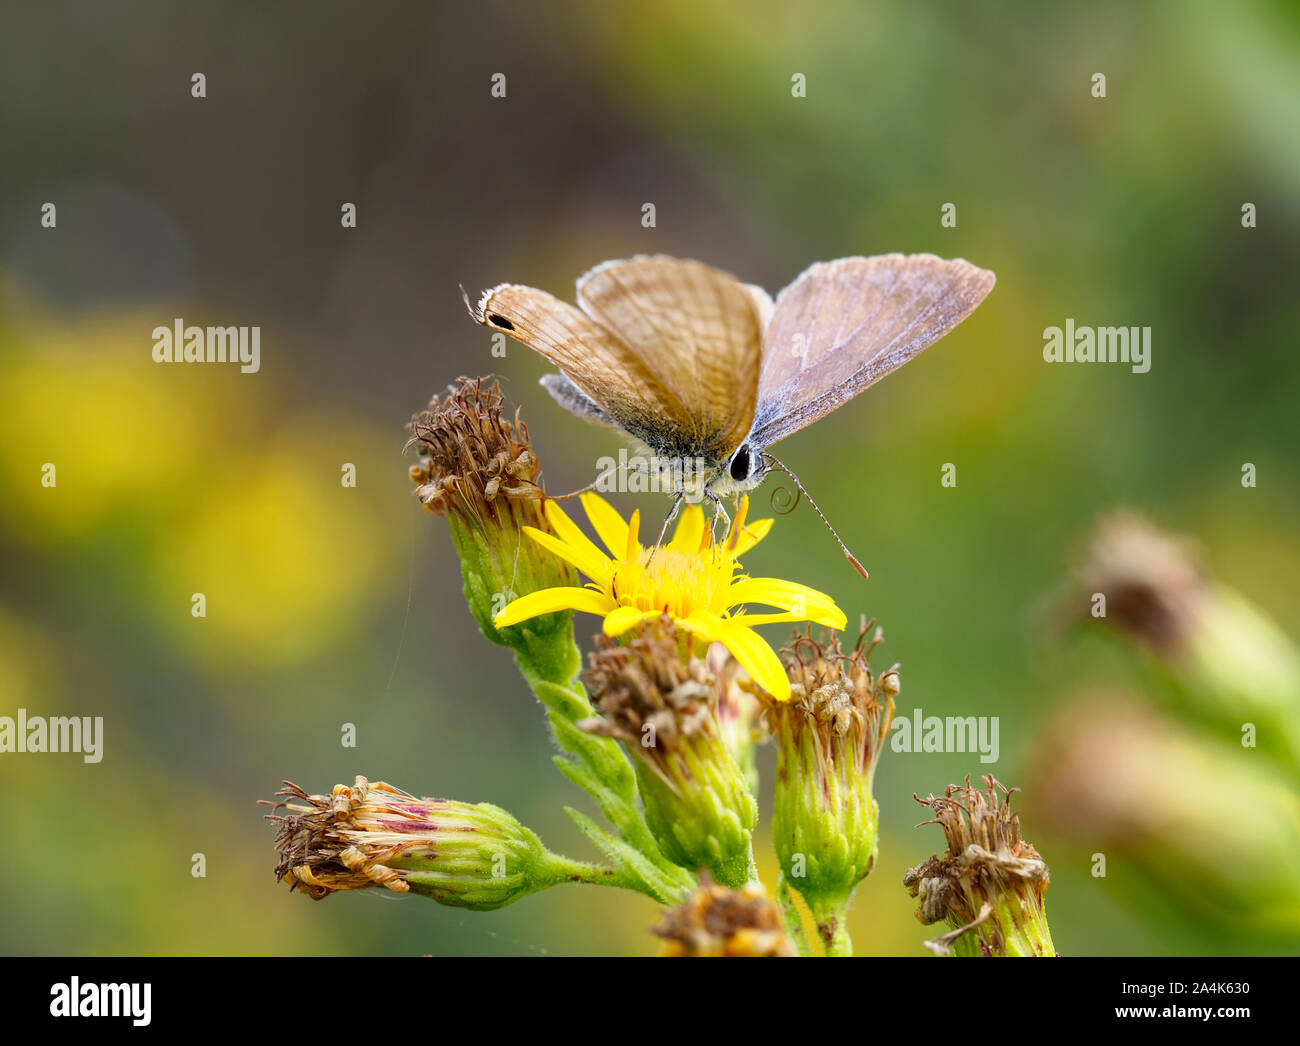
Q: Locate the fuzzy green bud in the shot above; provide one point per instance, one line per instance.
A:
(828, 736)
(1225, 662)
(479, 471)
(660, 699)
(715, 922)
(1185, 822)
(465, 855)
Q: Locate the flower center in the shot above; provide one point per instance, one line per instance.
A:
(672, 580)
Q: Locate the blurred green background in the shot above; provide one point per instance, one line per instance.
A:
(329, 605)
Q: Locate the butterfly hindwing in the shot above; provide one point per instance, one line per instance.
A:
(699, 331)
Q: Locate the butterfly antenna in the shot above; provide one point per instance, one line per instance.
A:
(771, 460)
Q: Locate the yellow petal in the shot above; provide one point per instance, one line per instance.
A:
(620, 620)
(571, 534)
(750, 620)
(831, 617)
(810, 604)
(607, 522)
(752, 534)
(549, 600)
(705, 625)
(757, 658)
(593, 564)
(690, 529)
(738, 526)
(632, 550)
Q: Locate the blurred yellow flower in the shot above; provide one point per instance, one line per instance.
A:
(692, 579)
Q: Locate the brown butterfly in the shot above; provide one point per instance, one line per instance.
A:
(698, 366)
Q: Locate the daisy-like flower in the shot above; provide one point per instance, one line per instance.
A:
(692, 579)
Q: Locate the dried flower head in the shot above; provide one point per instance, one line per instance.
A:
(658, 697)
(836, 696)
(652, 687)
(828, 736)
(716, 921)
(1151, 581)
(990, 885)
(479, 471)
(472, 460)
(462, 854)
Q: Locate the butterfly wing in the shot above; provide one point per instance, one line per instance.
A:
(575, 401)
(697, 329)
(597, 362)
(843, 325)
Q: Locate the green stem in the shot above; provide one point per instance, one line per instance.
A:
(790, 913)
(598, 765)
(563, 869)
(833, 928)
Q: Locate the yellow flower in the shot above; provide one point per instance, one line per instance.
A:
(692, 579)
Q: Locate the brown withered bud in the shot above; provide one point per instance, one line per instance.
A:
(467, 855)
(472, 460)
(837, 696)
(991, 883)
(1152, 584)
(715, 921)
(652, 686)
(658, 697)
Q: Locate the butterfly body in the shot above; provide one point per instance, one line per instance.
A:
(707, 372)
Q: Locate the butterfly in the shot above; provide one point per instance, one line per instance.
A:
(697, 366)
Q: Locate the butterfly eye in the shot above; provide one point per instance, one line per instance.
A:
(740, 464)
(500, 321)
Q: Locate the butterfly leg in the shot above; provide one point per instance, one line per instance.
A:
(672, 514)
(596, 484)
(718, 511)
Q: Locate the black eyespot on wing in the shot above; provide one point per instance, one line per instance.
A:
(740, 464)
(500, 321)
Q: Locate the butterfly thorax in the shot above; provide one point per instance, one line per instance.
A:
(698, 475)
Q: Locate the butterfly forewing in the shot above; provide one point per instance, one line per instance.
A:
(843, 325)
(598, 363)
(696, 328)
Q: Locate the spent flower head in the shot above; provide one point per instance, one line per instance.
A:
(1229, 663)
(828, 737)
(659, 697)
(1152, 584)
(692, 579)
(1189, 822)
(717, 921)
(467, 855)
(991, 884)
(478, 470)
(740, 712)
